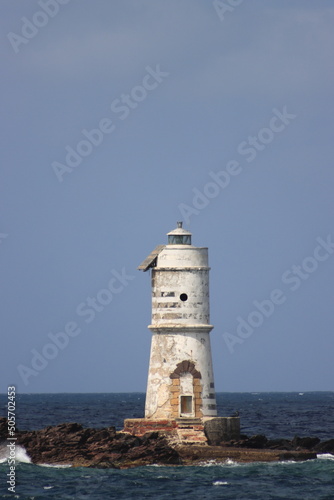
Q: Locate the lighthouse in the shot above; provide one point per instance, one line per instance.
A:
(180, 396)
(180, 377)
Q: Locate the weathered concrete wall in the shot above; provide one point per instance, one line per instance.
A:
(167, 351)
(180, 286)
(221, 429)
(173, 256)
(180, 296)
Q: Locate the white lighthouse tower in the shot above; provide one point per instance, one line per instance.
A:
(180, 379)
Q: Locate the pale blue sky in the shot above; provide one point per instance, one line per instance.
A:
(202, 89)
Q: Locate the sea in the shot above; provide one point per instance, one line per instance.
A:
(276, 415)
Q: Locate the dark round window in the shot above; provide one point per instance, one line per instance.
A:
(183, 297)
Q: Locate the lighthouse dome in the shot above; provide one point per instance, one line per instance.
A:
(179, 236)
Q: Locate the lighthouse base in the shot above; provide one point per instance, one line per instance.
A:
(140, 426)
(178, 431)
(221, 429)
(203, 431)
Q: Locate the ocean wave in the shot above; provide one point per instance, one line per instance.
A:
(20, 454)
(325, 456)
(231, 462)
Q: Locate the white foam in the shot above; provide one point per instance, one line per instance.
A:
(325, 456)
(3, 453)
(287, 462)
(48, 487)
(220, 483)
(21, 454)
(56, 466)
(219, 463)
(208, 463)
(229, 461)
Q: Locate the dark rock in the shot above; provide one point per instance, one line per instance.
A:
(279, 444)
(69, 428)
(307, 443)
(325, 447)
(298, 455)
(71, 443)
(258, 442)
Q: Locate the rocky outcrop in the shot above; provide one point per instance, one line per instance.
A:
(192, 455)
(296, 444)
(325, 447)
(73, 444)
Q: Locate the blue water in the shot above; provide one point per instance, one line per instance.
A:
(273, 414)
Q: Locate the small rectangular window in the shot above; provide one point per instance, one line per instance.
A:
(186, 404)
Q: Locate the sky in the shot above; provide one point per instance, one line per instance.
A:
(121, 118)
